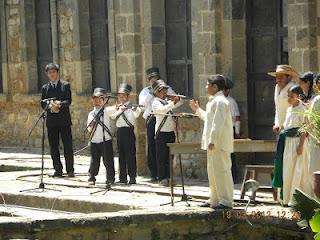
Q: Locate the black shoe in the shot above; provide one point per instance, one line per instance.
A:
(123, 182)
(132, 181)
(110, 182)
(154, 179)
(221, 207)
(57, 175)
(71, 174)
(92, 181)
(205, 204)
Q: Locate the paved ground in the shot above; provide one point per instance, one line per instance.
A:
(75, 195)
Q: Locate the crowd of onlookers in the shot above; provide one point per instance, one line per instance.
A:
(297, 158)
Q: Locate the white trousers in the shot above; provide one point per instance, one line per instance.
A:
(220, 177)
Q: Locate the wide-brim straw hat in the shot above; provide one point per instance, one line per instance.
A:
(285, 69)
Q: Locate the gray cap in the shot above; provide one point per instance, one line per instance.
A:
(99, 92)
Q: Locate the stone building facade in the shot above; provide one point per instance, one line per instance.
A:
(107, 42)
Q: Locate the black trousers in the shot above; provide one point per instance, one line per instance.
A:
(152, 160)
(234, 167)
(162, 153)
(105, 151)
(127, 153)
(54, 134)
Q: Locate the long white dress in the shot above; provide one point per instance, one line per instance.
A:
(295, 167)
(314, 145)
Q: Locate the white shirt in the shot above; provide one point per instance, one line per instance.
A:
(218, 129)
(281, 104)
(129, 113)
(146, 99)
(234, 109)
(98, 135)
(294, 117)
(160, 106)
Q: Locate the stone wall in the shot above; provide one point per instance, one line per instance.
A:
(303, 34)
(137, 40)
(143, 225)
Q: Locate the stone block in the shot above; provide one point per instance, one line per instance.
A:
(131, 43)
(121, 24)
(126, 6)
(204, 42)
(123, 64)
(208, 21)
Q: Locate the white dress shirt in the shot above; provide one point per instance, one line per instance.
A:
(146, 99)
(234, 109)
(281, 104)
(294, 117)
(218, 129)
(160, 106)
(98, 135)
(129, 113)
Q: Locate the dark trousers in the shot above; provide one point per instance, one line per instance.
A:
(105, 151)
(152, 161)
(234, 167)
(127, 153)
(162, 153)
(54, 134)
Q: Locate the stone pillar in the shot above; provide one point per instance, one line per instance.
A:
(74, 44)
(302, 28)
(21, 47)
(206, 42)
(234, 54)
(3, 44)
(128, 58)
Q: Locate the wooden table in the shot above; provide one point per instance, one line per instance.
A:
(240, 145)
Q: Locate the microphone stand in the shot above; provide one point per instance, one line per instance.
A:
(184, 198)
(42, 116)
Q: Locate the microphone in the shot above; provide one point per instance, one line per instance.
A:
(48, 99)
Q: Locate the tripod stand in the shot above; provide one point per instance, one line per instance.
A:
(184, 198)
(105, 190)
(43, 117)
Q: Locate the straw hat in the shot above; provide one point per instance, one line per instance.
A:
(285, 69)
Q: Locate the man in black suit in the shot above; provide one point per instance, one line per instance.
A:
(58, 119)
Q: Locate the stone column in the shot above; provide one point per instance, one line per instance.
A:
(302, 27)
(128, 57)
(21, 47)
(206, 42)
(3, 44)
(234, 54)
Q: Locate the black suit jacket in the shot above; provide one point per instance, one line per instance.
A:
(62, 93)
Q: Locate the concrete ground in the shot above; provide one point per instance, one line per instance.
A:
(75, 196)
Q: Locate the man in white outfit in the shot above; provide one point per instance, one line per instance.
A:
(284, 75)
(217, 139)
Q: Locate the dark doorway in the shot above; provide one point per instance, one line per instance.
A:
(99, 43)
(44, 39)
(267, 33)
(179, 45)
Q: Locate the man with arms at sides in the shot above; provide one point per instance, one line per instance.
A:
(58, 119)
(284, 74)
(217, 139)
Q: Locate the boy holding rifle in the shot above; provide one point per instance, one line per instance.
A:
(100, 137)
(125, 117)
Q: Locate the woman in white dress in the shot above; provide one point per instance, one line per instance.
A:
(296, 151)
